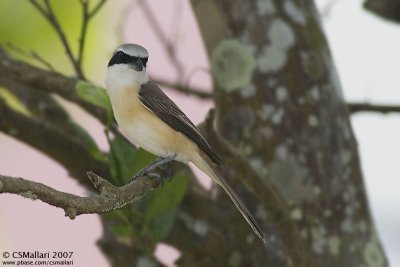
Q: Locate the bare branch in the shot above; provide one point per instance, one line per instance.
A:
(50, 16)
(47, 81)
(367, 107)
(353, 107)
(57, 27)
(40, 59)
(41, 105)
(97, 8)
(50, 82)
(32, 54)
(85, 22)
(39, 8)
(48, 13)
(86, 16)
(110, 197)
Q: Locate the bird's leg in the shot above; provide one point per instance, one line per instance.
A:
(152, 166)
(167, 171)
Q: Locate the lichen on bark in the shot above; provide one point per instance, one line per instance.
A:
(291, 126)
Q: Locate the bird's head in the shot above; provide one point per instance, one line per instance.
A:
(127, 66)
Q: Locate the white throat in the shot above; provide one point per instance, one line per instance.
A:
(119, 76)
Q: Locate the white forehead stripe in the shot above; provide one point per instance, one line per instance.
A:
(133, 50)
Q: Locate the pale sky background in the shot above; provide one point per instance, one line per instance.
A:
(365, 49)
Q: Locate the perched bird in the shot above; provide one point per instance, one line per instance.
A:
(154, 122)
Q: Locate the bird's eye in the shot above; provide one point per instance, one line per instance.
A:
(118, 58)
(144, 61)
(120, 54)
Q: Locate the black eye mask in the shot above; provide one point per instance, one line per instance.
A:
(122, 58)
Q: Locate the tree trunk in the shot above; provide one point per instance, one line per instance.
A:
(280, 106)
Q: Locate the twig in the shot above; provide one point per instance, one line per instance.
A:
(51, 82)
(97, 8)
(110, 197)
(366, 107)
(39, 8)
(86, 16)
(47, 81)
(48, 13)
(31, 54)
(85, 20)
(40, 59)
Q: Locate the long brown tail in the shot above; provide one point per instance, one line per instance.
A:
(204, 163)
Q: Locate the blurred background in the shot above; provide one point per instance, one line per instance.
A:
(364, 47)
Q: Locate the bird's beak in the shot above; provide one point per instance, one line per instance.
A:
(137, 65)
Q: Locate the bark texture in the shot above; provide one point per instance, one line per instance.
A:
(280, 106)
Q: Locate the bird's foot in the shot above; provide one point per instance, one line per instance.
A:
(163, 163)
(166, 171)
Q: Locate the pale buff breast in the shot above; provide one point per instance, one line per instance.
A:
(145, 129)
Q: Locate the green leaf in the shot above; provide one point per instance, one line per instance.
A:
(159, 227)
(164, 198)
(95, 95)
(122, 230)
(159, 207)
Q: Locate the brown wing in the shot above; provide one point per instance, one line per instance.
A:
(156, 101)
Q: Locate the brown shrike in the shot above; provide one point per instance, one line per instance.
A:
(152, 121)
